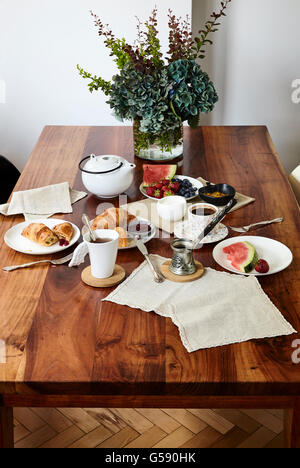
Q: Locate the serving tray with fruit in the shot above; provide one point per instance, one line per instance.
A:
(161, 181)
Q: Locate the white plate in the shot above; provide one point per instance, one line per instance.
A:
(196, 183)
(185, 230)
(132, 244)
(16, 241)
(275, 253)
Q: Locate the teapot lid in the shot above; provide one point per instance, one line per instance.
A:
(101, 164)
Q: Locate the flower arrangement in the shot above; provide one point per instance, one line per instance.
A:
(159, 93)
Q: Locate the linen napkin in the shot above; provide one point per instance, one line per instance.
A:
(147, 209)
(42, 202)
(218, 309)
(79, 254)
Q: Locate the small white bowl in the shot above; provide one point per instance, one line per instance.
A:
(172, 208)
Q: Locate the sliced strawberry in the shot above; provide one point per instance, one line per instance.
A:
(150, 191)
(175, 186)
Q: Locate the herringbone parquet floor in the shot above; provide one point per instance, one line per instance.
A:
(147, 428)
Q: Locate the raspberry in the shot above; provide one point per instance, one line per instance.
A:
(61, 242)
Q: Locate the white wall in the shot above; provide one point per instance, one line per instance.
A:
(41, 41)
(253, 62)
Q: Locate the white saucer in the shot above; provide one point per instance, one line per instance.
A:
(16, 241)
(185, 230)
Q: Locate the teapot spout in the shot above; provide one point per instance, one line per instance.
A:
(129, 167)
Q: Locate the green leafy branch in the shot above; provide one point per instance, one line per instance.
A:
(210, 26)
(96, 82)
(116, 46)
(153, 49)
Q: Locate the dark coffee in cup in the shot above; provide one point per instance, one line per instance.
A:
(102, 240)
(203, 211)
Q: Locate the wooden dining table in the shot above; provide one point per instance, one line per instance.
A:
(66, 348)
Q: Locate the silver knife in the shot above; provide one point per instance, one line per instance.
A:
(143, 249)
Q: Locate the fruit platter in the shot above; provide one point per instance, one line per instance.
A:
(161, 181)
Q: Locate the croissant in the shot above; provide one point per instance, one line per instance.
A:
(64, 231)
(101, 222)
(123, 239)
(40, 234)
(112, 218)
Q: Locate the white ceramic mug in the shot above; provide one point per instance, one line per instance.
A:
(103, 256)
(200, 221)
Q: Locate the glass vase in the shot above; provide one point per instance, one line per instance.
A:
(161, 147)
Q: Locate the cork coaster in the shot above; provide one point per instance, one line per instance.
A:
(116, 278)
(181, 279)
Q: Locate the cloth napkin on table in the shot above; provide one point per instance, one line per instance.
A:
(146, 209)
(79, 255)
(218, 309)
(42, 202)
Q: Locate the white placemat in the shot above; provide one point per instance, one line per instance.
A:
(216, 310)
(42, 202)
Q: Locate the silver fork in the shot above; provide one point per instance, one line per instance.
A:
(262, 223)
(60, 261)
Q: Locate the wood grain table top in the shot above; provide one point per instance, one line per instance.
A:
(61, 339)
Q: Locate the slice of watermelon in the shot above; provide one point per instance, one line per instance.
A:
(242, 256)
(158, 172)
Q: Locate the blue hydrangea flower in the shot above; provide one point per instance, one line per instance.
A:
(193, 92)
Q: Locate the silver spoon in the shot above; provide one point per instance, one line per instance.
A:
(86, 222)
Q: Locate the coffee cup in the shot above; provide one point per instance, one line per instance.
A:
(201, 214)
(103, 252)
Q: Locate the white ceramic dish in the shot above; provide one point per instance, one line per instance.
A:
(16, 241)
(275, 253)
(172, 208)
(196, 183)
(145, 238)
(186, 230)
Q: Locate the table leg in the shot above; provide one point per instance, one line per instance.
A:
(6, 428)
(292, 426)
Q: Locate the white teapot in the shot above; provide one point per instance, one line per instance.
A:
(106, 176)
